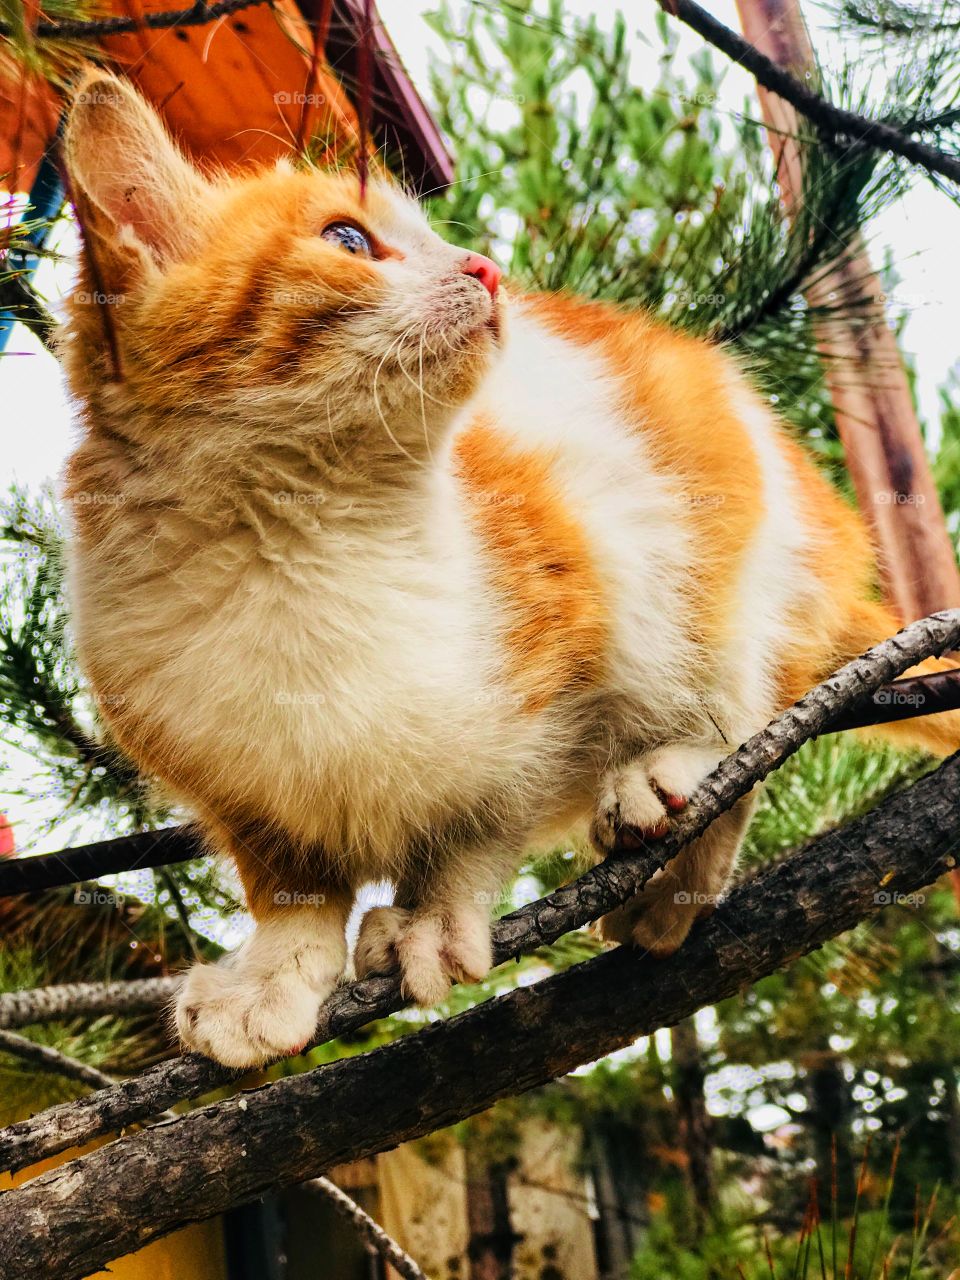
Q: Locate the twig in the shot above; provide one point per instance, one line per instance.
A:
(49, 1059)
(85, 999)
(539, 924)
(834, 120)
(369, 1231)
(80, 1215)
(197, 15)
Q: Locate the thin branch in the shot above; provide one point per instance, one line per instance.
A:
(49, 1059)
(836, 121)
(892, 701)
(77, 1217)
(539, 924)
(85, 999)
(369, 1231)
(197, 15)
(103, 858)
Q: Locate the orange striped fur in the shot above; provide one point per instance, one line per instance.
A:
(386, 572)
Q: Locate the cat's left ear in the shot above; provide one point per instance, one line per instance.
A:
(121, 158)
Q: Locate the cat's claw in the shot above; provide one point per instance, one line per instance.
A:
(645, 794)
(431, 948)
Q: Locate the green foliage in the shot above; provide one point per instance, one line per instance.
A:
(867, 1245)
(56, 61)
(687, 221)
(828, 782)
(946, 460)
(44, 706)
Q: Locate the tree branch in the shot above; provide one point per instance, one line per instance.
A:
(893, 701)
(85, 999)
(76, 1218)
(532, 927)
(840, 123)
(49, 1059)
(370, 1232)
(196, 16)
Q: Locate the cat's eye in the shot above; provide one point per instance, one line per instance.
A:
(348, 237)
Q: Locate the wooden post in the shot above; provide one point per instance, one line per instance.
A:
(868, 386)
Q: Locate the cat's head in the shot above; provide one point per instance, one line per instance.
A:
(245, 295)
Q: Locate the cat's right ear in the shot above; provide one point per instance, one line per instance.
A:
(123, 163)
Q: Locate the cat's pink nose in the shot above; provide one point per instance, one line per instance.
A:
(483, 269)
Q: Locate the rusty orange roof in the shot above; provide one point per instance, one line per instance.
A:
(233, 90)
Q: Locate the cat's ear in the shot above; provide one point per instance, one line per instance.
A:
(123, 162)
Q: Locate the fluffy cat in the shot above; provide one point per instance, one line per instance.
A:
(387, 571)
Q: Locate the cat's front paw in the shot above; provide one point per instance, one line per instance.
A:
(643, 795)
(431, 948)
(244, 1019)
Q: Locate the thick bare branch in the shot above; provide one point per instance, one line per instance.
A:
(537, 925)
(74, 1219)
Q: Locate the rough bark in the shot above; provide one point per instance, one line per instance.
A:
(94, 29)
(46, 1058)
(84, 999)
(102, 858)
(537, 925)
(73, 1220)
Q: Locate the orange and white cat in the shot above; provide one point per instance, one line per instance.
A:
(387, 572)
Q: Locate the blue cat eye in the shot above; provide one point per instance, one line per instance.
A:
(348, 237)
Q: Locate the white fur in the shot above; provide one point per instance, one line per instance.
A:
(339, 652)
